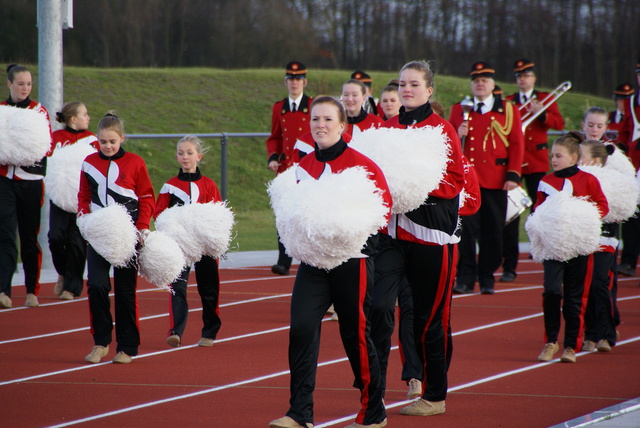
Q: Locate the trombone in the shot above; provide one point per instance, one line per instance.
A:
(528, 117)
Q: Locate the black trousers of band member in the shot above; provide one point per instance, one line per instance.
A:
(630, 241)
(566, 291)
(283, 257)
(429, 271)
(411, 365)
(68, 248)
(348, 287)
(20, 205)
(126, 303)
(599, 318)
(511, 233)
(208, 282)
(484, 227)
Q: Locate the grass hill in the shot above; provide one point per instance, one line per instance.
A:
(202, 100)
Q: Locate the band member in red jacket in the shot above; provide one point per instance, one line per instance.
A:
(289, 120)
(535, 162)
(621, 95)
(493, 143)
(629, 140)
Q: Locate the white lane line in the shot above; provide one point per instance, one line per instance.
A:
(142, 290)
(474, 383)
(150, 317)
(218, 388)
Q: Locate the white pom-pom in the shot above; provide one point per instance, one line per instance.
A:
(620, 162)
(211, 224)
(24, 136)
(326, 222)
(413, 161)
(111, 232)
(620, 188)
(161, 260)
(173, 222)
(63, 175)
(564, 227)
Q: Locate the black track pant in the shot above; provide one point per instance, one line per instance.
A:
(348, 287)
(126, 303)
(20, 205)
(208, 282)
(68, 248)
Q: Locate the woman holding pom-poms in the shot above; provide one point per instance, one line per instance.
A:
(23, 146)
(349, 199)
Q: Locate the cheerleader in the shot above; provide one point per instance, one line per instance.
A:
(68, 248)
(114, 176)
(566, 283)
(353, 98)
(419, 247)
(22, 195)
(390, 102)
(348, 286)
(191, 187)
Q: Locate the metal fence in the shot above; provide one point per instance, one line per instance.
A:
(224, 145)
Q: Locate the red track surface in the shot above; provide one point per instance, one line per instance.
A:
(495, 379)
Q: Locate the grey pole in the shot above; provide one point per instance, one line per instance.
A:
(50, 88)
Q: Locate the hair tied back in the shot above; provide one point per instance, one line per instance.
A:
(610, 148)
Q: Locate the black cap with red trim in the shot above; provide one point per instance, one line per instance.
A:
(481, 69)
(296, 70)
(362, 76)
(623, 91)
(522, 65)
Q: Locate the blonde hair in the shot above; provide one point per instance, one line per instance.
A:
(197, 143)
(112, 122)
(68, 111)
(422, 66)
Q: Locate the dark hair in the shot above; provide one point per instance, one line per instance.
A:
(68, 111)
(342, 113)
(111, 121)
(422, 66)
(390, 88)
(13, 69)
(571, 141)
(594, 110)
(437, 108)
(356, 82)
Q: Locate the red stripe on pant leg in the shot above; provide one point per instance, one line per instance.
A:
(442, 281)
(446, 311)
(583, 301)
(365, 369)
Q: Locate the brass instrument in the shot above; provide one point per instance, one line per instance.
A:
(527, 117)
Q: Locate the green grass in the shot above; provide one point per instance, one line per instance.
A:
(204, 100)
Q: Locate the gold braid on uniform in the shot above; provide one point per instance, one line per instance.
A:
(501, 131)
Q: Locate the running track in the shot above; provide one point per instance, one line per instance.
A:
(242, 381)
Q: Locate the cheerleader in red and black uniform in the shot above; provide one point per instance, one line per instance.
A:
(567, 283)
(68, 248)
(347, 285)
(191, 187)
(419, 247)
(22, 196)
(114, 176)
(353, 98)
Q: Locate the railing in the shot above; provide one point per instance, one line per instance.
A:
(224, 144)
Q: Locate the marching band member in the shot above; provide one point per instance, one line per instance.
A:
(494, 145)
(621, 95)
(289, 120)
(370, 104)
(629, 140)
(535, 162)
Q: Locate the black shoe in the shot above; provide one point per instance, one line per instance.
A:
(508, 276)
(462, 289)
(626, 270)
(487, 291)
(280, 270)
